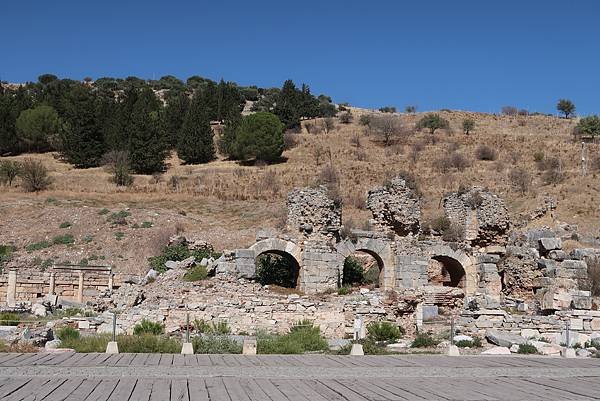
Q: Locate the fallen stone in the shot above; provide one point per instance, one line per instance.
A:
(169, 264)
(503, 339)
(38, 310)
(462, 337)
(550, 244)
(496, 351)
(53, 344)
(582, 352)
(550, 349)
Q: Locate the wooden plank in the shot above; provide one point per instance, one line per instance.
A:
(567, 385)
(368, 390)
(139, 359)
(234, 389)
(14, 385)
(203, 360)
(44, 390)
(64, 390)
(152, 360)
(413, 388)
(142, 390)
(71, 361)
(216, 389)
(28, 389)
(125, 360)
(253, 390)
(342, 390)
(178, 360)
(166, 360)
(161, 390)
(271, 390)
(197, 390)
(530, 390)
(59, 357)
(103, 390)
(87, 360)
(285, 387)
(307, 391)
(179, 390)
(123, 390)
(190, 360)
(85, 389)
(324, 390)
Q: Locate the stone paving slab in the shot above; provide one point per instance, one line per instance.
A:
(129, 377)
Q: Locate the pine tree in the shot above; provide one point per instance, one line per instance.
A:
(81, 140)
(259, 135)
(195, 144)
(147, 145)
(288, 105)
(175, 111)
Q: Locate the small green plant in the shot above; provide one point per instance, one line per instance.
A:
(52, 201)
(67, 334)
(66, 239)
(196, 273)
(303, 337)
(383, 331)
(6, 252)
(119, 218)
(527, 349)
(68, 312)
(64, 224)
(9, 319)
(37, 246)
(424, 340)
(344, 290)
(178, 253)
(538, 157)
(214, 344)
(475, 343)
(119, 235)
(148, 327)
(147, 224)
(88, 238)
(104, 212)
(220, 327)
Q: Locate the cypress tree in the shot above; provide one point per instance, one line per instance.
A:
(195, 144)
(82, 142)
(175, 111)
(288, 105)
(147, 145)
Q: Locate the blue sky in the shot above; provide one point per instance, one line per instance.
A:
(462, 54)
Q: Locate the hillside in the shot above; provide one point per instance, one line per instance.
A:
(225, 202)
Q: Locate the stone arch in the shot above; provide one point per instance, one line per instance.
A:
(460, 267)
(379, 249)
(280, 247)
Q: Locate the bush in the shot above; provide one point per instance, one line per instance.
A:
(520, 179)
(370, 347)
(9, 170)
(196, 273)
(303, 337)
(289, 141)
(484, 152)
(383, 331)
(66, 239)
(433, 122)
(353, 273)
(67, 334)
(259, 135)
(424, 340)
(475, 343)
(365, 120)
(554, 173)
(37, 246)
(6, 252)
(538, 157)
(215, 345)
(510, 111)
(276, 269)
(9, 319)
(178, 253)
(588, 126)
(468, 125)
(344, 290)
(148, 327)
(119, 218)
(387, 109)
(117, 164)
(34, 176)
(346, 117)
(527, 349)
(64, 224)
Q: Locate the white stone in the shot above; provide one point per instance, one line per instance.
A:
(462, 337)
(568, 353)
(53, 344)
(249, 347)
(496, 351)
(38, 310)
(83, 325)
(357, 349)
(112, 347)
(582, 352)
(576, 324)
(364, 291)
(514, 348)
(595, 324)
(453, 351)
(187, 349)
(530, 333)
(550, 349)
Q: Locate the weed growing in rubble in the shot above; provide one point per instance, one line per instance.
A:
(383, 331)
(196, 273)
(424, 340)
(66, 239)
(215, 344)
(148, 327)
(303, 337)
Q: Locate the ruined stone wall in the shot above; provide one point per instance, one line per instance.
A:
(33, 284)
(482, 214)
(312, 213)
(395, 207)
(320, 268)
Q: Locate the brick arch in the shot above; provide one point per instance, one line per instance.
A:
(278, 246)
(441, 252)
(379, 249)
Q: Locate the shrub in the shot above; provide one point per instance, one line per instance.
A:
(9, 170)
(9, 319)
(383, 331)
(475, 343)
(148, 327)
(346, 117)
(510, 111)
(468, 125)
(566, 107)
(344, 290)
(485, 152)
(148, 344)
(440, 224)
(178, 253)
(554, 173)
(353, 273)
(410, 109)
(289, 141)
(66, 239)
(34, 176)
(538, 157)
(588, 126)
(259, 135)
(370, 347)
(196, 273)
(303, 337)
(527, 349)
(387, 109)
(433, 122)
(365, 120)
(119, 218)
(104, 211)
(6, 252)
(453, 160)
(424, 340)
(276, 269)
(146, 224)
(215, 345)
(37, 246)
(117, 164)
(520, 179)
(67, 334)
(64, 224)
(455, 233)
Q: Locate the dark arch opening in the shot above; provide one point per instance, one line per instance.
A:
(447, 272)
(362, 267)
(276, 267)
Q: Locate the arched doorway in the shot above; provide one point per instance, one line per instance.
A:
(379, 252)
(277, 268)
(446, 271)
(362, 267)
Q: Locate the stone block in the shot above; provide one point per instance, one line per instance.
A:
(357, 349)
(187, 349)
(112, 347)
(550, 244)
(497, 351)
(430, 312)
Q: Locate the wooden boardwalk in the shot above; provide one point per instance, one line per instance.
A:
(164, 377)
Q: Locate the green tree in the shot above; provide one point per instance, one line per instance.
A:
(38, 127)
(433, 122)
(147, 145)
(566, 107)
(259, 135)
(81, 139)
(588, 126)
(468, 125)
(9, 170)
(195, 143)
(175, 112)
(287, 106)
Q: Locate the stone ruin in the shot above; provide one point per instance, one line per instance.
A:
(395, 207)
(311, 212)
